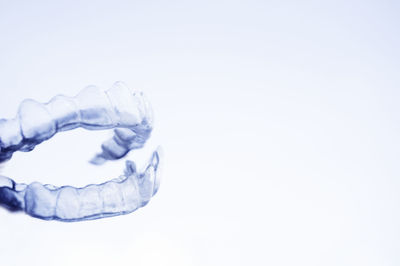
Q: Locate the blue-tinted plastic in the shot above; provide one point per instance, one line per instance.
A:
(119, 107)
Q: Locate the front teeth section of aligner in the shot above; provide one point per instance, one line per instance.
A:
(119, 107)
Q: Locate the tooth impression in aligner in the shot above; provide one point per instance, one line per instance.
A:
(126, 110)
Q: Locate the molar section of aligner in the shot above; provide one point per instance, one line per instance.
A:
(125, 104)
(111, 150)
(65, 113)
(36, 123)
(124, 137)
(40, 201)
(96, 111)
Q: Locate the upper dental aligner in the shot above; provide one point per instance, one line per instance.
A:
(92, 109)
(119, 107)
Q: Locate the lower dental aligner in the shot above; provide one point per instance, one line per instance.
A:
(125, 110)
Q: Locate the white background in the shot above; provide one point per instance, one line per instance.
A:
(279, 122)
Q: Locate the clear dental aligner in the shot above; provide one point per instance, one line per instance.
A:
(119, 107)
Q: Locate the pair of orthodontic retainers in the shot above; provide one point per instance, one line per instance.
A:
(121, 108)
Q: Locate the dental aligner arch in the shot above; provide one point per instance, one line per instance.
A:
(119, 107)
